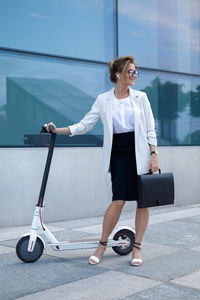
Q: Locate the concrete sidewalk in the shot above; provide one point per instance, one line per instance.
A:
(170, 270)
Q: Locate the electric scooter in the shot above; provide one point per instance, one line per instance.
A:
(31, 245)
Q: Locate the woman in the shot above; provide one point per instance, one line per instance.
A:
(130, 147)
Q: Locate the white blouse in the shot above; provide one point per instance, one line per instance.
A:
(123, 115)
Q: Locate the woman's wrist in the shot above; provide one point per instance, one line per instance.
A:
(64, 130)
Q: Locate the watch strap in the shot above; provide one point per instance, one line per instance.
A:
(154, 152)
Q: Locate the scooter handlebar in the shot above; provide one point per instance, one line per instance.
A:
(44, 130)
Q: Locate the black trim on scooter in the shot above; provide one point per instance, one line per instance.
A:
(47, 165)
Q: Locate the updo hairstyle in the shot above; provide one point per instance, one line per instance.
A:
(120, 65)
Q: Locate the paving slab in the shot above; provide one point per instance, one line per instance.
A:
(111, 285)
(167, 267)
(77, 223)
(10, 243)
(93, 229)
(191, 280)
(151, 250)
(19, 279)
(174, 233)
(4, 249)
(174, 215)
(197, 248)
(166, 292)
(194, 219)
(168, 208)
(70, 235)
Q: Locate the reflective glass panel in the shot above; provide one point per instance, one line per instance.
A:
(175, 101)
(36, 91)
(80, 28)
(161, 34)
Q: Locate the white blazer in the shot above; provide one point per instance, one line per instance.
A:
(145, 133)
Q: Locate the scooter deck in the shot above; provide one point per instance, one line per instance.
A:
(83, 244)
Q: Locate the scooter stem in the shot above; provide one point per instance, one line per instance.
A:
(46, 170)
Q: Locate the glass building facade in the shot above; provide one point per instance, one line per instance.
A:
(53, 64)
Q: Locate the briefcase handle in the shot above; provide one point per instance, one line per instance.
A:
(150, 171)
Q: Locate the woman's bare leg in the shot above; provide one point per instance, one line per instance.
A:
(110, 220)
(141, 222)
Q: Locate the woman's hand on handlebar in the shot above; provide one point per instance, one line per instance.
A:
(48, 127)
(64, 130)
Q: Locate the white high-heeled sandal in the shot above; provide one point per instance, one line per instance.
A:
(136, 262)
(95, 258)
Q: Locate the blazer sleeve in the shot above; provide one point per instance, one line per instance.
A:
(150, 122)
(88, 121)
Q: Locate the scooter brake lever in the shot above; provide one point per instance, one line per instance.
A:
(44, 130)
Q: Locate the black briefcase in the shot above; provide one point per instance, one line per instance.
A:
(155, 189)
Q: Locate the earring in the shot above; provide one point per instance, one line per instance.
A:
(118, 76)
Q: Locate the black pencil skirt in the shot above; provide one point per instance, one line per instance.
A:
(123, 167)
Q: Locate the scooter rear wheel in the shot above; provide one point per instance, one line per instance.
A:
(126, 235)
(22, 249)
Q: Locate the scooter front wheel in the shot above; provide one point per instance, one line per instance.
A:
(22, 249)
(127, 236)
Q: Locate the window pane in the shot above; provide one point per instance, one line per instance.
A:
(161, 34)
(81, 28)
(37, 91)
(175, 101)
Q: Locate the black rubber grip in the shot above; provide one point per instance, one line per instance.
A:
(51, 128)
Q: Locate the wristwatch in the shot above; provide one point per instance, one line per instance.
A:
(154, 152)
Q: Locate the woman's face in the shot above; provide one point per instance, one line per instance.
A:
(129, 77)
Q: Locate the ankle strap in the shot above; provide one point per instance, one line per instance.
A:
(103, 243)
(139, 244)
(139, 248)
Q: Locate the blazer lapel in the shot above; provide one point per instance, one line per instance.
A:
(136, 106)
(108, 108)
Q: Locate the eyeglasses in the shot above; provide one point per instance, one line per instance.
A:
(132, 73)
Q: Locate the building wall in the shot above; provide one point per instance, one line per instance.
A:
(77, 187)
(56, 77)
